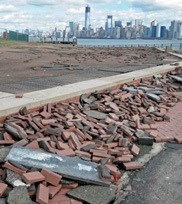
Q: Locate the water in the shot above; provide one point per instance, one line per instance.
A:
(133, 42)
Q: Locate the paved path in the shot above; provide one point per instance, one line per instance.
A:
(172, 129)
(161, 181)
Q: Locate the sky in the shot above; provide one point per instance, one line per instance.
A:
(48, 14)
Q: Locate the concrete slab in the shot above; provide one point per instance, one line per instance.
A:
(5, 95)
(71, 168)
(10, 105)
(93, 194)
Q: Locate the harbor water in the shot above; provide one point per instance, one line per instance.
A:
(174, 44)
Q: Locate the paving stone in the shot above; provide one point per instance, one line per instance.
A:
(19, 195)
(96, 114)
(93, 194)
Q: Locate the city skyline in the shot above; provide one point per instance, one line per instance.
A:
(45, 15)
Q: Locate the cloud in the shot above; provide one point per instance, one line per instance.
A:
(7, 8)
(46, 14)
(154, 5)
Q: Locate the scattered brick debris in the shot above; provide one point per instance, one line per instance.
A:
(104, 128)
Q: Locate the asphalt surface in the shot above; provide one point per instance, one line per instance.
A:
(160, 182)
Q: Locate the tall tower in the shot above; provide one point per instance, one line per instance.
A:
(87, 17)
(109, 21)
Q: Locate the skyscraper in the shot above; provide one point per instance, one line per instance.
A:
(175, 29)
(109, 21)
(87, 17)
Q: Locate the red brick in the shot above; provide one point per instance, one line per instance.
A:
(45, 114)
(63, 191)
(70, 186)
(1, 172)
(75, 140)
(42, 196)
(7, 136)
(3, 188)
(66, 135)
(111, 145)
(44, 139)
(69, 116)
(122, 159)
(22, 142)
(71, 145)
(37, 122)
(53, 190)
(83, 154)
(144, 127)
(125, 96)
(154, 133)
(33, 145)
(73, 201)
(54, 202)
(62, 146)
(33, 177)
(63, 199)
(132, 165)
(114, 170)
(178, 139)
(135, 150)
(19, 95)
(7, 142)
(51, 177)
(102, 154)
(96, 159)
(14, 168)
(114, 116)
(52, 144)
(66, 152)
(123, 142)
(48, 121)
(34, 126)
(154, 126)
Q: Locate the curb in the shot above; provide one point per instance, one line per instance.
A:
(10, 105)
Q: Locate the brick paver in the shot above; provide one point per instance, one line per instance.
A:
(172, 130)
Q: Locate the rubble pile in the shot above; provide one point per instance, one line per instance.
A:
(102, 128)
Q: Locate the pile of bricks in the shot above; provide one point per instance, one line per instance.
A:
(102, 127)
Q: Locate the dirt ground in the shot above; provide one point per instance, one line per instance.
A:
(30, 67)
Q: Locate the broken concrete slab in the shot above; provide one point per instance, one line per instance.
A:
(3, 153)
(176, 78)
(87, 100)
(93, 194)
(2, 201)
(72, 168)
(144, 138)
(19, 195)
(154, 97)
(96, 114)
(14, 179)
